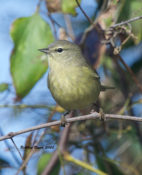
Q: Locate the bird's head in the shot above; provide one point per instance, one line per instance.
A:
(62, 51)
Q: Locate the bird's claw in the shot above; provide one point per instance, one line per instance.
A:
(102, 115)
(63, 119)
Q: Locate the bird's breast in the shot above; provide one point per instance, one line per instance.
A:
(72, 88)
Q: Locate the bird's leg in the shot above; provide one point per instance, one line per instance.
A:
(66, 113)
(96, 107)
(63, 119)
(102, 115)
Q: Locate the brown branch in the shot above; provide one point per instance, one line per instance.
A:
(122, 61)
(94, 115)
(62, 146)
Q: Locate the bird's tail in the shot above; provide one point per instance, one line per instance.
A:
(103, 87)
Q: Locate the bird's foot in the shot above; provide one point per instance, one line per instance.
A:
(63, 119)
(102, 115)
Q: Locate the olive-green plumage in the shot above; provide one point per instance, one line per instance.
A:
(71, 80)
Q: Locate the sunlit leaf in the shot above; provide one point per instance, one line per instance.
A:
(29, 34)
(85, 165)
(63, 6)
(69, 6)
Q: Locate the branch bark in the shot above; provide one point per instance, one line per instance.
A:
(94, 116)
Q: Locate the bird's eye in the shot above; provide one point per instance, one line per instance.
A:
(59, 50)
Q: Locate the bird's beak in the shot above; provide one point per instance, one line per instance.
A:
(45, 50)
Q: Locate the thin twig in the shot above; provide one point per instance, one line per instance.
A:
(38, 5)
(30, 154)
(69, 26)
(16, 147)
(53, 20)
(23, 106)
(87, 17)
(85, 34)
(94, 115)
(53, 24)
(35, 144)
(9, 148)
(126, 22)
(130, 72)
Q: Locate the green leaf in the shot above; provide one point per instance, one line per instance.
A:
(69, 6)
(107, 165)
(3, 87)
(112, 167)
(43, 162)
(29, 34)
(100, 163)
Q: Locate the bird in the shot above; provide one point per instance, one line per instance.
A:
(73, 83)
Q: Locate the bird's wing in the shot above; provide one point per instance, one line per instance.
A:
(90, 72)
